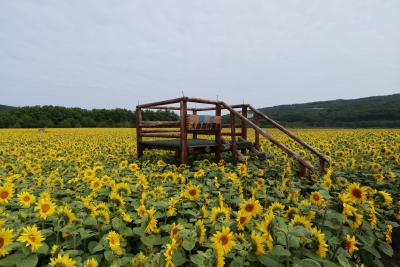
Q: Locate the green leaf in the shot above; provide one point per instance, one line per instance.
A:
(367, 241)
(31, 261)
(116, 223)
(307, 263)
(188, 244)
(279, 251)
(343, 261)
(97, 248)
(12, 259)
(91, 246)
(178, 259)
(386, 248)
(197, 259)
(43, 249)
(90, 221)
(108, 255)
(267, 261)
(334, 241)
(68, 228)
(126, 231)
(139, 231)
(148, 240)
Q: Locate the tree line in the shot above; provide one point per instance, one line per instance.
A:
(369, 112)
(62, 117)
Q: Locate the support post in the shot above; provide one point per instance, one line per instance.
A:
(244, 126)
(233, 138)
(183, 139)
(138, 116)
(218, 135)
(256, 134)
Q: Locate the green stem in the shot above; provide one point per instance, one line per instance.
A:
(323, 218)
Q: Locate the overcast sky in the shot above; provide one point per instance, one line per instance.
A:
(114, 54)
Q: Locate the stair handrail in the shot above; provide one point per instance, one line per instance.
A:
(270, 138)
(321, 156)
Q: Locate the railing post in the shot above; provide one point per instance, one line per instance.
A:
(183, 139)
(244, 126)
(218, 135)
(138, 116)
(322, 171)
(233, 137)
(256, 134)
(302, 170)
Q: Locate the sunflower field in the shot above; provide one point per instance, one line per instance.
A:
(80, 197)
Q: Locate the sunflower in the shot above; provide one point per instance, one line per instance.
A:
(25, 198)
(242, 219)
(114, 239)
(160, 163)
(242, 169)
(6, 194)
(379, 177)
(223, 240)
(102, 215)
(64, 261)
(89, 173)
(291, 212)
(388, 234)
(125, 216)
(260, 172)
(220, 260)
(32, 236)
(199, 173)
(123, 164)
(120, 199)
(314, 177)
(277, 207)
(252, 207)
(122, 187)
(96, 184)
(357, 193)
(342, 182)
(192, 192)
(350, 244)
(318, 244)
(67, 212)
(169, 252)
(204, 211)
(316, 198)
(46, 208)
(175, 230)
(219, 214)
(201, 231)
(375, 166)
(141, 210)
(91, 263)
(301, 220)
(356, 220)
(258, 241)
(152, 222)
(133, 167)
(6, 238)
(384, 198)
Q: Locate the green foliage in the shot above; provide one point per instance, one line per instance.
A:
(370, 112)
(62, 117)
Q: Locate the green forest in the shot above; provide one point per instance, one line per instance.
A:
(62, 117)
(370, 112)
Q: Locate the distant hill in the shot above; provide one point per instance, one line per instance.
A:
(369, 112)
(4, 108)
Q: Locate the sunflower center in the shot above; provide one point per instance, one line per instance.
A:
(316, 197)
(96, 185)
(27, 199)
(1, 242)
(45, 208)
(242, 220)
(4, 194)
(174, 231)
(249, 207)
(357, 193)
(32, 238)
(192, 192)
(224, 240)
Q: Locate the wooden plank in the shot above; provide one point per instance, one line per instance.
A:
(183, 137)
(203, 123)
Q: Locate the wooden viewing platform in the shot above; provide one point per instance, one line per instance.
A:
(184, 140)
